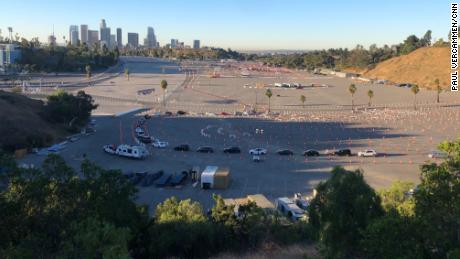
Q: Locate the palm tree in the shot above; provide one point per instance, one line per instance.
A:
(352, 89)
(164, 85)
(438, 89)
(88, 71)
(370, 93)
(269, 94)
(127, 73)
(415, 89)
(303, 99)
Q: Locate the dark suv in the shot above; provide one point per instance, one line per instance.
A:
(311, 152)
(205, 150)
(183, 147)
(343, 152)
(232, 150)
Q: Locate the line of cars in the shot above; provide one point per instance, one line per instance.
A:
(159, 178)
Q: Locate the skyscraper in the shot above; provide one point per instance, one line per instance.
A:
(174, 43)
(133, 39)
(196, 44)
(105, 34)
(151, 40)
(73, 35)
(93, 37)
(113, 41)
(119, 38)
(84, 33)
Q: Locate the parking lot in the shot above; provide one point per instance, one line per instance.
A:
(402, 136)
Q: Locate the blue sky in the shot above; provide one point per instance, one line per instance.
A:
(238, 24)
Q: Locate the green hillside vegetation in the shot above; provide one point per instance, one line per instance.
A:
(357, 59)
(51, 212)
(28, 123)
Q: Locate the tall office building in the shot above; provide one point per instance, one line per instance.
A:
(196, 44)
(84, 33)
(105, 34)
(119, 38)
(151, 40)
(52, 40)
(113, 41)
(93, 37)
(133, 39)
(174, 43)
(73, 35)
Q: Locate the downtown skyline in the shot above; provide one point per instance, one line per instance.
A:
(257, 25)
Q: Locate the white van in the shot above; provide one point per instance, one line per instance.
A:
(132, 151)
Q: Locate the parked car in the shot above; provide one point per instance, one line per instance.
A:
(167, 113)
(258, 151)
(367, 153)
(111, 149)
(285, 152)
(311, 152)
(159, 144)
(232, 150)
(144, 139)
(343, 152)
(139, 131)
(289, 208)
(178, 179)
(437, 154)
(205, 149)
(179, 112)
(149, 179)
(224, 113)
(183, 147)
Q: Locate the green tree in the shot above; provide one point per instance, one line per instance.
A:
(437, 206)
(415, 89)
(352, 90)
(88, 71)
(397, 197)
(370, 94)
(74, 110)
(438, 89)
(269, 94)
(391, 236)
(127, 73)
(303, 99)
(343, 207)
(164, 86)
(92, 238)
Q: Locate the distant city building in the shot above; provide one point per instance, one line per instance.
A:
(93, 37)
(105, 34)
(196, 44)
(9, 54)
(133, 39)
(151, 40)
(113, 41)
(84, 33)
(174, 43)
(52, 40)
(119, 38)
(73, 35)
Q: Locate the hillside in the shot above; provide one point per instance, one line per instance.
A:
(421, 67)
(23, 124)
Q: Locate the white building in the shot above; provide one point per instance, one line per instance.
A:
(9, 54)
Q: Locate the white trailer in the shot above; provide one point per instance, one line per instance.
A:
(138, 152)
(289, 208)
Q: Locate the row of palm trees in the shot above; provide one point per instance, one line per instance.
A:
(415, 89)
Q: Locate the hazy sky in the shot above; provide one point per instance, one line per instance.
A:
(238, 24)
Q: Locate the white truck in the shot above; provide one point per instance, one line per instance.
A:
(289, 208)
(125, 150)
